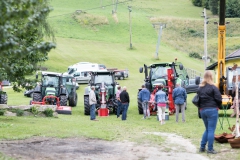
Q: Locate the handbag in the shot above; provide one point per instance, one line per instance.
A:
(195, 100)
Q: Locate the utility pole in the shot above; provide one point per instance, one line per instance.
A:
(130, 25)
(161, 26)
(205, 57)
(116, 6)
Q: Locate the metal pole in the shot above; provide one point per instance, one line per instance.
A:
(130, 28)
(159, 39)
(116, 6)
(205, 39)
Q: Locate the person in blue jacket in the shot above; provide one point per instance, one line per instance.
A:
(179, 97)
(161, 100)
(144, 97)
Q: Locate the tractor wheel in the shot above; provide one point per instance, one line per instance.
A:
(73, 97)
(63, 100)
(3, 99)
(86, 105)
(140, 109)
(37, 97)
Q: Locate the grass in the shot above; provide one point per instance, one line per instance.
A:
(109, 45)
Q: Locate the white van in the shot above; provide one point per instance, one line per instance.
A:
(81, 71)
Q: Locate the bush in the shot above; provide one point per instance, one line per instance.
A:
(197, 3)
(2, 111)
(18, 111)
(48, 112)
(195, 55)
(34, 110)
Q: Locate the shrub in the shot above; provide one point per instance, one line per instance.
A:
(18, 111)
(34, 110)
(48, 112)
(2, 111)
(195, 55)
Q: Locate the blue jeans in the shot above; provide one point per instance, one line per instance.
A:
(124, 110)
(145, 108)
(92, 112)
(210, 118)
(119, 108)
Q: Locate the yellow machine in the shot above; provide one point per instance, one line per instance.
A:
(221, 79)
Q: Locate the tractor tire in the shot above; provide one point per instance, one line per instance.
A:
(140, 109)
(86, 105)
(63, 100)
(73, 97)
(3, 99)
(37, 97)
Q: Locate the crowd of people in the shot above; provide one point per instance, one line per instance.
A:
(210, 100)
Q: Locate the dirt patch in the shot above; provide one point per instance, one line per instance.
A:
(82, 148)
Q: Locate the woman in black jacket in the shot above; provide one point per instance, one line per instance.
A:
(210, 100)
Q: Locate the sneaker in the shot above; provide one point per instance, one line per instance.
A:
(211, 152)
(143, 118)
(202, 150)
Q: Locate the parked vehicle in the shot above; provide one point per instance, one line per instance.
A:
(105, 89)
(119, 74)
(6, 83)
(167, 74)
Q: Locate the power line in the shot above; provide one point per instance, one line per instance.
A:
(90, 9)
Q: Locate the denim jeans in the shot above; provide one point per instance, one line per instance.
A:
(145, 108)
(92, 112)
(119, 109)
(210, 118)
(124, 110)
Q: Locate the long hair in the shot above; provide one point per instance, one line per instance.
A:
(207, 79)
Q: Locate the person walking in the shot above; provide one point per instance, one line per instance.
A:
(124, 97)
(119, 101)
(92, 102)
(161, 101)
(179, 97)
(210, 100)
(144, 96)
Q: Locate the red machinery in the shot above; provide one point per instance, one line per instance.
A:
(167, 74)
(51, 100)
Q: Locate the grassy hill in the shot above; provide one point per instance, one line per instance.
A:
(95, 35)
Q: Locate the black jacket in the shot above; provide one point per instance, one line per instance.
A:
(124, 97)
(210, 97)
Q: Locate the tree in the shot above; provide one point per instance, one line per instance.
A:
(233, 8)
(205, 4)
(23, 26)
(197, 3)
(213, 5)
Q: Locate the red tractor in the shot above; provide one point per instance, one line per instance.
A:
(167, 74)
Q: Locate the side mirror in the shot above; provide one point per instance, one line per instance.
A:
(141, 69)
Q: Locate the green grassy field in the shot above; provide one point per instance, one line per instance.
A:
(109, 44)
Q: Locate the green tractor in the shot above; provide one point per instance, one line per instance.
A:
(3, 95)
(105, 90)
(55, 84)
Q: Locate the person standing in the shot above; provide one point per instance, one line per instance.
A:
(179, 97)
(92, 102)
(210, 100)
(161, 100)
(124, 97)
(118, 101)
(144, 96)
